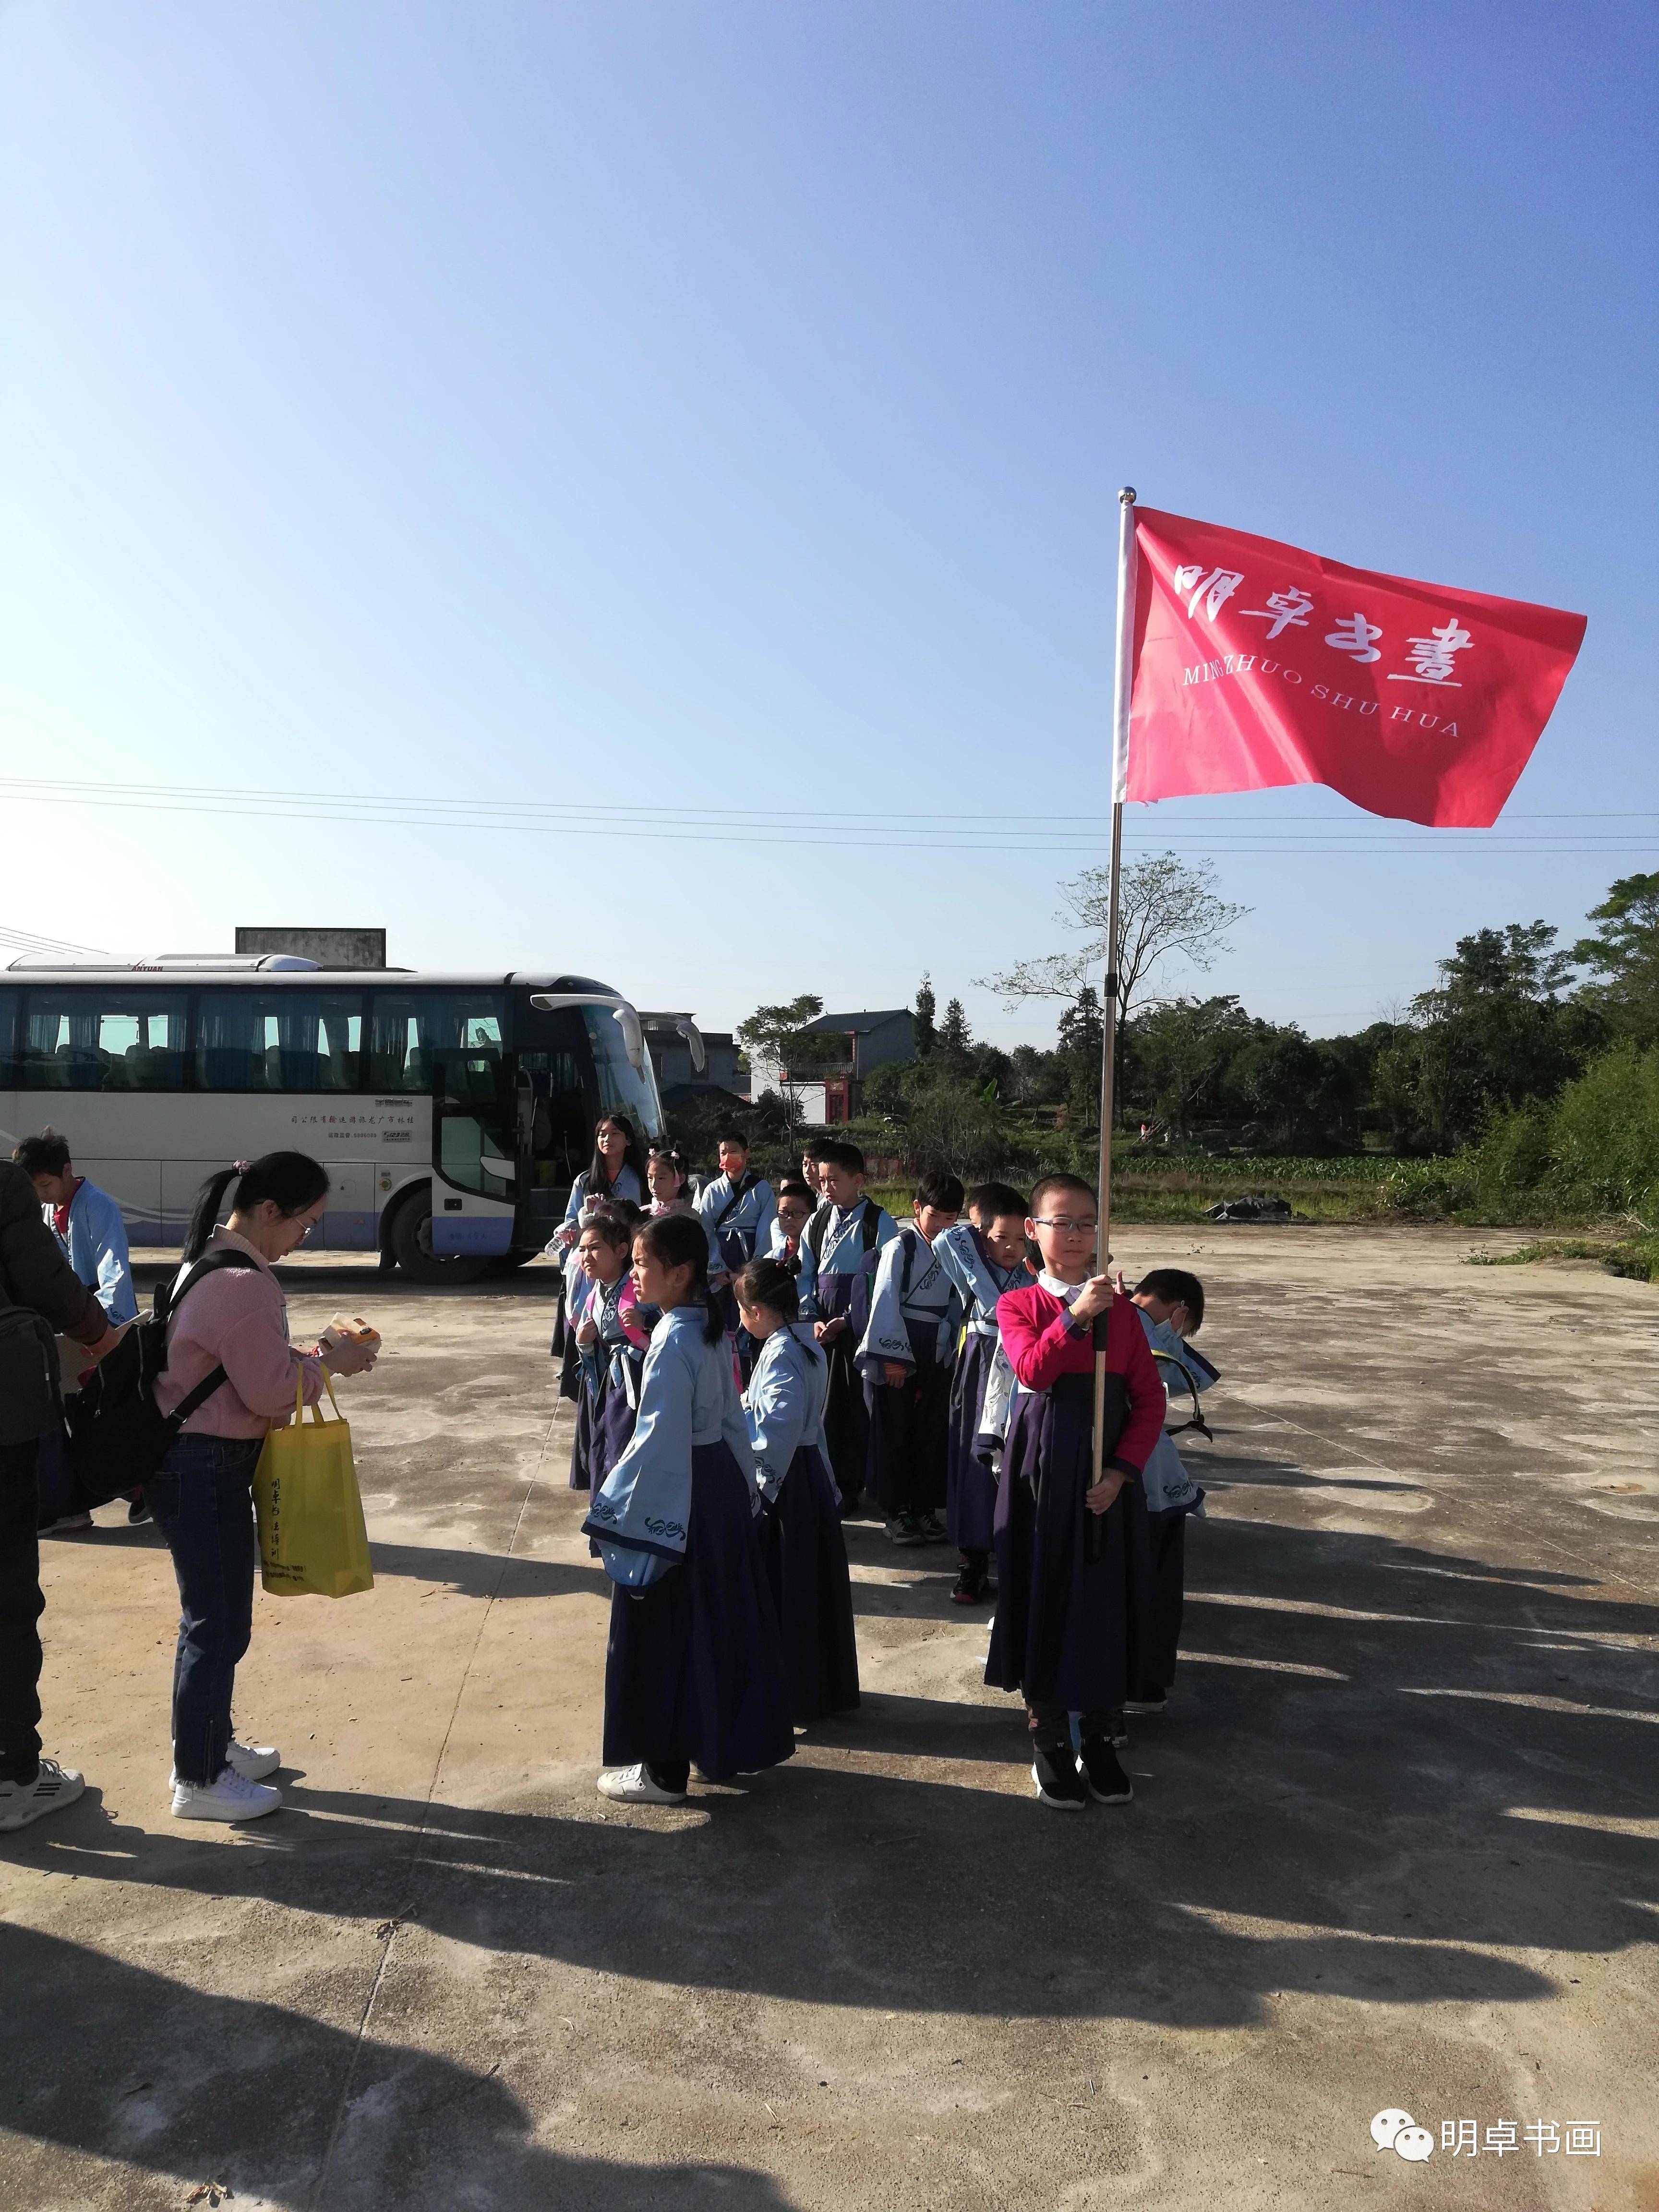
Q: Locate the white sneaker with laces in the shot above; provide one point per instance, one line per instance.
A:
(632, 1785)
(229, 1798)
(252, 1761)
(52, 1788)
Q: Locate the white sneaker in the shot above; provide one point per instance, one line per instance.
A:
(632, 1785)
(52, 1788)
(229, 1798)
(252, 1761)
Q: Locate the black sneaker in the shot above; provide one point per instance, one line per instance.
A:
(1054, 1771)
(1107, 1783)
(972, 1587)
(934, 1530)
(1147, 1700)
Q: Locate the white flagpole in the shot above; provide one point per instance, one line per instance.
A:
(1123, 674)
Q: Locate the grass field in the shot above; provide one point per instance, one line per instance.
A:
(1153, 1187)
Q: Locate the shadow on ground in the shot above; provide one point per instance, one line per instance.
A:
(1390, 1774)
(258, 2091)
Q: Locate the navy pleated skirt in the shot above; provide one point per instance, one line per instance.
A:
(806, 1563)
(695, 1667)
(971, 1487)
(1070, 1629)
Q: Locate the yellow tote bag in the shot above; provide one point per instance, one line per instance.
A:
(312, 1537)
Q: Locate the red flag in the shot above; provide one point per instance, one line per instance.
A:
(1256, 664)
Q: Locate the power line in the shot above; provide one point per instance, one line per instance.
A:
(923, 833)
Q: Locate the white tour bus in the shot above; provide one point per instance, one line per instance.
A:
(452, 1112)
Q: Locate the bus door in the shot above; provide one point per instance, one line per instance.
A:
(474, 1151)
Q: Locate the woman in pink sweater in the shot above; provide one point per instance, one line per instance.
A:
(229, 1313)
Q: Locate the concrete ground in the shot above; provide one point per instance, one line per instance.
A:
(1393, 1846)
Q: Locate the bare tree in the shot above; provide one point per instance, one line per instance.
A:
(1165, 907)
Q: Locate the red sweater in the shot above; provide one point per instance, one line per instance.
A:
(1042, 1343)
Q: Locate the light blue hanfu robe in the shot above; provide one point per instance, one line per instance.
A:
(627, 1186)
(695, 1671)
(783, 1403)
(738, 1217)
(801, 1538)
(915, 1310)
(688, 1398)
(983, 1376)
(834, 1280)
(828, 1273)
(96, 1247)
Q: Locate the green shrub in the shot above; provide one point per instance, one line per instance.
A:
(1430, 1190)
(1604, 1133)
(1513, 1157)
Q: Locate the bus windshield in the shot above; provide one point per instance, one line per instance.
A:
(621, 1089)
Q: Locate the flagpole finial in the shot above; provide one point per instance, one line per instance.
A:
(1126, 497)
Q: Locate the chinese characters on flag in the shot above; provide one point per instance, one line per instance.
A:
(1256, 664)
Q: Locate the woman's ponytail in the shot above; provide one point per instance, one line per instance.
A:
(291, 1181)
(204, 1215)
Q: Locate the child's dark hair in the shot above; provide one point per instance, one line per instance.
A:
(941, 1191)
(995, 1201)
(613, 1225)
(792, 1186)
(1175, 1287)
(44, 1153)
(598, 1182)
(835, 1154)
(768, 1283)
(291, 1181)
(672, 1154)
(679, 1240)
(731, 1134)
(1044, 1184)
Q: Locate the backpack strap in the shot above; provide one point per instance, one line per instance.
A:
(170, 1295)
(820, 1221)
(751, 1178)
(209, 1264)
(870, 1227)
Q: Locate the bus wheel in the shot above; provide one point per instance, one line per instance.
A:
(411, 1247)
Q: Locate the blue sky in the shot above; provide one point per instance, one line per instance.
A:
(722, 407)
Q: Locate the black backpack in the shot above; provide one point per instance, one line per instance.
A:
(30, 1404)
(869, 1229)
(118, 1435)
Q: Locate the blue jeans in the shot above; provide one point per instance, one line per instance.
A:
(203, 1502)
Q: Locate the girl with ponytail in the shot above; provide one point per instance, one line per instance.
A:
(801, 1531)
(694, 1669)
(228, 1317)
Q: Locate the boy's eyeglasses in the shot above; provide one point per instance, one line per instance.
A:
(1067, 1224)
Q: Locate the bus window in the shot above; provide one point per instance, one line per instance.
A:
(10, 1002)
(411, 1032)
(102, 1040)
(291, 1040)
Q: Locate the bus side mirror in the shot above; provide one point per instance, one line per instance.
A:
(699, 1051)
(633, 1037)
